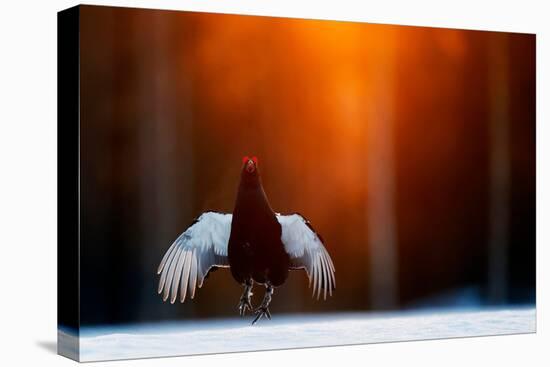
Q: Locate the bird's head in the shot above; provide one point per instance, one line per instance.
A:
(250, 165)
(250, 176)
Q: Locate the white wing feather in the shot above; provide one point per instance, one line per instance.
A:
(187, 262)
(306, 251)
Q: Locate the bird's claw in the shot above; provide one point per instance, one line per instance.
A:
(244, 305)
(261, 312)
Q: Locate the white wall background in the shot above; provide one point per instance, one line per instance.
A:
(28, 180)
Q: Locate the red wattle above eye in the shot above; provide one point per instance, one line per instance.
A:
(255, 160)
(245, 159)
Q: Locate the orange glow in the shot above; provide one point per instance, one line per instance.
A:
(181, 99)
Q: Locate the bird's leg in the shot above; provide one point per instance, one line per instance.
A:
(263, 310)
(244, 303)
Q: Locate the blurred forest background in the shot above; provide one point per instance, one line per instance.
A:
(411, 150)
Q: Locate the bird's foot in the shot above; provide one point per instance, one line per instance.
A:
(244, 305)
(261, 312)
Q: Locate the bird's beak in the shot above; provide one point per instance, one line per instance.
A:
(250, 166)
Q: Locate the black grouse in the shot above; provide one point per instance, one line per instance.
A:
(257, 244)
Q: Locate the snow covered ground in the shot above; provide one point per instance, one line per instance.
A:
(296, 331)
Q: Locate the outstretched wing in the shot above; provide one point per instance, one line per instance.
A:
(202, 246)
(306, 251)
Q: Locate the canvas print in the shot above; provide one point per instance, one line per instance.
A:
(234, 183)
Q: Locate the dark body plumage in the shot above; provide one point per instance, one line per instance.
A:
(257, 244)
(255, 249)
